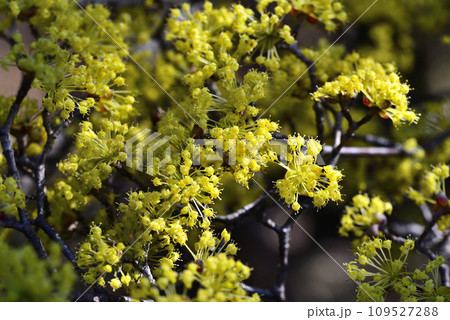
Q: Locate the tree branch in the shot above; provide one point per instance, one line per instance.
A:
(440, 213)
(318, 107)
(8, 151)
(250, 208)
(27, 230)
(436, 141)
(353, 126)
(367, 151)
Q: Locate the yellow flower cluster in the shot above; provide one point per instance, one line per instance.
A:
(11, 197)
(161, 220)
(80, 71)
(98, 256)
(236, 103)
(65, 200)
(431, 184)
(247, 147)
(363, 213)
(213, 276)
(209, 244)
(332, 62)
(304, 177)
(381, 273)
(329, 12)
(193, 189)
(226, 275)
(58, 70)
(26, 277)
(27, 122)
(207, 37)
(432, 190)
(380, 86)
(98, 151)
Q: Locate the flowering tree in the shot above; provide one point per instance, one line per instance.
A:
(151, 115)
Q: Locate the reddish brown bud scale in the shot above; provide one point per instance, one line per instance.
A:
(311, 19)
(101, 108)
(367, 102)
(200, 264)
(441, 199)
(294, 12)
(384, 115)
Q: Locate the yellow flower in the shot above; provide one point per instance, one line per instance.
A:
(115, 284)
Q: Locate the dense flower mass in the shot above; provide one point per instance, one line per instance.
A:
(304, 177)
(432, 183)
(12, 198)
(29, 278)
(57, 69)
(330, 13)
(363, 213)
(379, 273)
(207, 38)
(380, 86)
(432, 190)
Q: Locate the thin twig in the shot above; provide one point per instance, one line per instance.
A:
(263, 292)
(378, 141)
(8, 151)
(436, 141)
(318, 107)
(48, 229)
(440, 213)
(243, 212)
(39, 180)
(350, 133)
(145, 270)
(366, 151)
(27, 230)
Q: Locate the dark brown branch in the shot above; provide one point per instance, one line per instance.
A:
(353, 126)
(27, 230)
(133, 178)
(263, 292)
(378, 141)
(8, 151)
(318, 107)
(440, 213)
(436, 141)
(48, 229)
(366, 151)
(284, 239)
(39, 175)
(144, 269)
(7, 39)
(250, 208)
